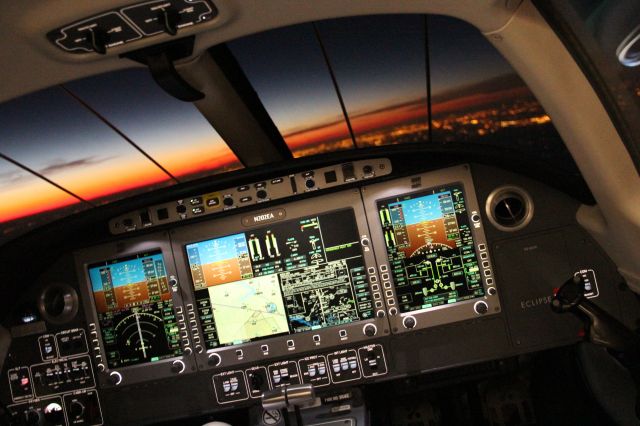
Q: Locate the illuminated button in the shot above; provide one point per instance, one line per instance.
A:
(342, 333)
(373, 279)
(243, 188)
(284, 373)
(388, 293)
(312, 370)
(179, 310)
(482, 247)
(213, 202)
(183, 326)
(276, 181)
(245, 199)
(376, 296)
(276, 377)
(308, 174)
(385, 277)
(489, 281)
(487, 273)
(195, 201)
(353, 364)
(189, 307)
(260, 185)
(94, 334)
(316, 338)
(239, 353)
(383, 268)
(98, 357)
(485, 264)
(196, 340)
(375, 287)
(264, 349)
(226, 386)
(197, 210)
(371, 270)
(180, 318)
(378, 304)
(387, 284)
(484, 255)
(92, 326)
(192, 323)
(335, 364)
(291, 344)
(234, 384)
(391, 302)
(322, 369)
(185, 342)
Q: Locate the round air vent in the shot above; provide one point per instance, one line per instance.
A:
(58, 303)
(509, 208)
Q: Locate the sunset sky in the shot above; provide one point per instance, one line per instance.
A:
(379, 65)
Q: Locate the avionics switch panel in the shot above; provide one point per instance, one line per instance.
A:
(250, 194)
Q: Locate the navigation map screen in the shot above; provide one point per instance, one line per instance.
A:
(289, 277)
(135, 309)
(430, 248)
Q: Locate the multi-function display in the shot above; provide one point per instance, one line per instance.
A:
(430, 248)
(288, 277)
(135, 309)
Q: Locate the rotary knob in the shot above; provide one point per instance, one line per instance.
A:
(370, 330)
(76, 409)
(481, 308)
(115, 378)
(409, 322)
(214, 359)
(178, 366)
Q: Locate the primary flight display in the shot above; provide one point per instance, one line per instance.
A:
(135, 309)
(289, 277)
(430, 248)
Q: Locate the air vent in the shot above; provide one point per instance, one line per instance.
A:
(509, 208)
(58, 303)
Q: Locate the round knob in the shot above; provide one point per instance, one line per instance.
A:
(228, 201)
(370, 330)
(199, 349)
(181, 209)
(310, 183)
(409, 322)
(115, 378)
(187, 351)
(475, 218)
(100, 367)
(380, 314)
(367, 170)
(491, 291)
(178, 366)
(33, 417)
(393, 311)
(53, 413)
(262, 194)
(481, 308)
(214, 359)
(76, 409)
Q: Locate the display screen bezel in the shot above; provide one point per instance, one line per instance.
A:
(261, 227)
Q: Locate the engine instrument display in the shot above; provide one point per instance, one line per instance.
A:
(430, 248)
(289, 277)
(135, 309)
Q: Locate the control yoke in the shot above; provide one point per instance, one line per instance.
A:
(601, 328)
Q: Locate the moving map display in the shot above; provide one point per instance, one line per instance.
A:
(135, 309)
(289, 277)
(430, 248)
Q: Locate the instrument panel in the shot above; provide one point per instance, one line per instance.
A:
(364, 281)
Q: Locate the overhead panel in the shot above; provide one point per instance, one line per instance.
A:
(28, 201)
(54, 135)
(478, 97)
(379, 64)
(288, 71)
(172, 132)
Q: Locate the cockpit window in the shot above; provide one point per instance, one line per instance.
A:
(101, 139)
(391, 79)
(604, 35)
